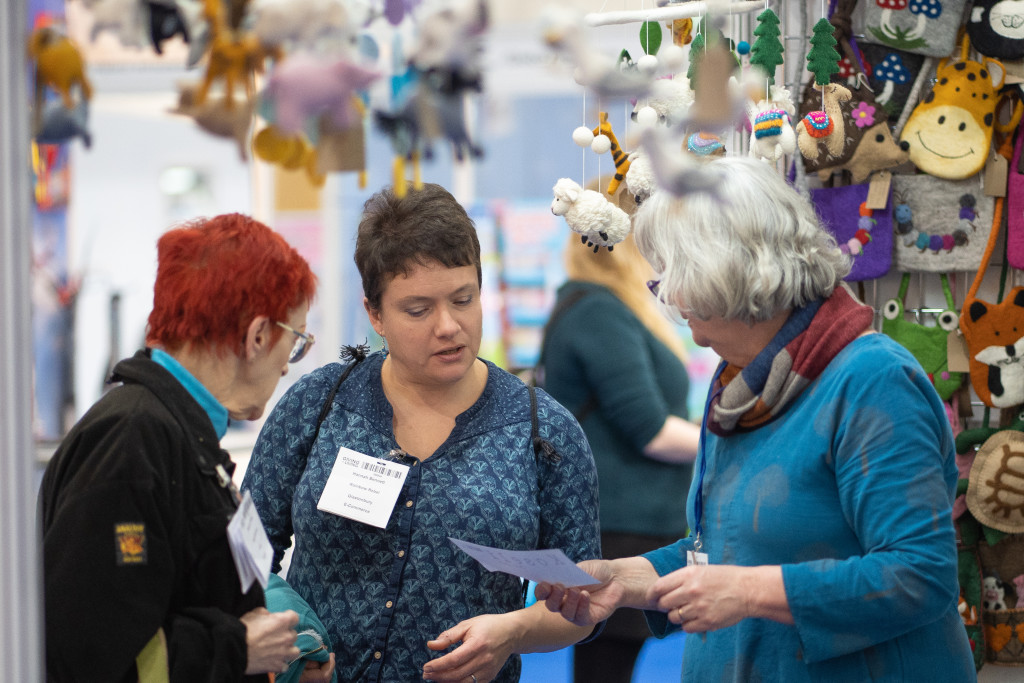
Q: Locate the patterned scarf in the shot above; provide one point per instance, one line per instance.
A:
(746, 398)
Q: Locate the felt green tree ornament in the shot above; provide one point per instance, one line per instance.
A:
(766, 53)
(650, 37)
(822, 59)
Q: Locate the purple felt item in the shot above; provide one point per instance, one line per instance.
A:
(839, 209)
(1015, 208)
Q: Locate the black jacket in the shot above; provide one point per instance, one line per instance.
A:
(134, 539)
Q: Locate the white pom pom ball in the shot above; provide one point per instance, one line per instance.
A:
(647, 64)
(672, 57)
(583, 136)
(647, 116)
(601, 144)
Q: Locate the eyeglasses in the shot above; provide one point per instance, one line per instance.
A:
(654, 286)
(303, 343)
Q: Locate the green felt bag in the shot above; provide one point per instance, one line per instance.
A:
(926, 342)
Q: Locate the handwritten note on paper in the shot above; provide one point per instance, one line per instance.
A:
(549, 565)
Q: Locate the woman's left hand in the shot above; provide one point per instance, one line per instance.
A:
(487, 641)
(710, 597)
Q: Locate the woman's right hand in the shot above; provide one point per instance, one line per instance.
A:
(585, 605)
(270, 639)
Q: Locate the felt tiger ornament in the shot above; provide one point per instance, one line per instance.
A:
(620, 157)
(950, 131)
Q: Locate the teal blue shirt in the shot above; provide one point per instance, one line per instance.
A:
(598, 350)
(851, 492)
(218, 413)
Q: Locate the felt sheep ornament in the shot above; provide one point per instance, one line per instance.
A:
(950, 131)
(640, 182)
(598, 222)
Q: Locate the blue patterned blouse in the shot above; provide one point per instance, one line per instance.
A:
(383, 593)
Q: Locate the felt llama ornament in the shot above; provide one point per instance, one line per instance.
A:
(772, 134)
(825, 125)
(599, 222)
(949, 133)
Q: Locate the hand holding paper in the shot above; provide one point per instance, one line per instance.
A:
(550, 565)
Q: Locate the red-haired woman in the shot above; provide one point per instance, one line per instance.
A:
(139, 573)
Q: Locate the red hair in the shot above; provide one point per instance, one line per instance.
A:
(214, 275)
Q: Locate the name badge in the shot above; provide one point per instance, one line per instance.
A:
(695, 559)
(363, 488)
(250, 547)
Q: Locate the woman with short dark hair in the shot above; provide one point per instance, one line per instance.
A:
(396, 595)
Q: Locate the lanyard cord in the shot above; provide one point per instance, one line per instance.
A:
(698, 498)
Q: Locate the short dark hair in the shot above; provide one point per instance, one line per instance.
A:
(425, 225)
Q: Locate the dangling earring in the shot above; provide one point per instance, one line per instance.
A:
(384, 340)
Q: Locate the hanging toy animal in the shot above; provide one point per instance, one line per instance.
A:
(598, 222)
(59, 65)
(772, 134)
(825, 125)
(620, 157)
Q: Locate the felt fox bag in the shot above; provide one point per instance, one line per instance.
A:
(940, 225)
(950, 131)
(994, 334)
(925, 27)
(928, 343)
(865, 234)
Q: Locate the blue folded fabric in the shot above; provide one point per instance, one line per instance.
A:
(313, 641)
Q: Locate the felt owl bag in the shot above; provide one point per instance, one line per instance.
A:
(865, 234)
(924, 27)
(928, 343)
(994, 333)
(950, 131)
(939, 225)
(996, 28)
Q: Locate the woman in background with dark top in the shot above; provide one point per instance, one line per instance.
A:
(611, 357)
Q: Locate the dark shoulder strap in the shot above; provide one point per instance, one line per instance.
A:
(355, 355)
(541, 447)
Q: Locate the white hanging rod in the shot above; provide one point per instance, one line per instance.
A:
(680, 11)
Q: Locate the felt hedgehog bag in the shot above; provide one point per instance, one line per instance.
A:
(950, 131)
(865, 140)
(995, 336)
(928, 343)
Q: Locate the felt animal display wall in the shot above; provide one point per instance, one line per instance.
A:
(950, 131)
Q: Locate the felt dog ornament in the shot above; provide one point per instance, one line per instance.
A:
(949, 133)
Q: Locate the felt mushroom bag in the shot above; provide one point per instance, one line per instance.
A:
(924, 27)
